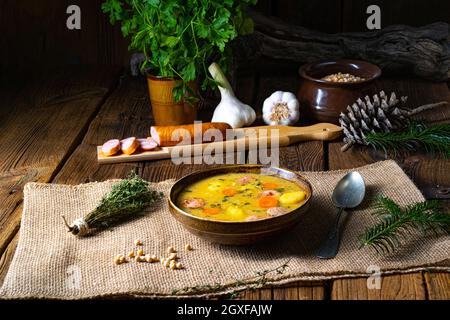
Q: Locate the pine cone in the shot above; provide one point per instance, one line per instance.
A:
(382, 113)
(379, 114)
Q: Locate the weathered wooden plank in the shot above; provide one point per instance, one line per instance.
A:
(46, 119)
(257, 294)
(393, 287)
(6, 257)
(300, 291)
(36, 35)
(438, 285)
(426, 172)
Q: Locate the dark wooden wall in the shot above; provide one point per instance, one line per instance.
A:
(350, 15)
(34, 33)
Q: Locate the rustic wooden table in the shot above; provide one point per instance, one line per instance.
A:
(51, 124)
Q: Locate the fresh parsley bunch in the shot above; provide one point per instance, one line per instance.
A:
(179, 37)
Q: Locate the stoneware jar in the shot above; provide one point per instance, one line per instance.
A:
(323, 101)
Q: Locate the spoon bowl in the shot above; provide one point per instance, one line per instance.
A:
(349, 191)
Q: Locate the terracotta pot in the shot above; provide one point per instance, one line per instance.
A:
(323, 101)
(239, 232)
(165, 110)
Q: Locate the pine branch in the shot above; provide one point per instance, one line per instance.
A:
(434, 139)
(397, 223)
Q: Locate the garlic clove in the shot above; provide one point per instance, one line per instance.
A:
(288, 96)
(277, 96)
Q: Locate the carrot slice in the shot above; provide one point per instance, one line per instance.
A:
(229, 192)
(270, 185)
(211, 211)
(268, 202)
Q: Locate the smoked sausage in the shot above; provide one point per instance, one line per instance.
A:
(166, 136)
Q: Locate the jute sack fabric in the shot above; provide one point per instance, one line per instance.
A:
(51, 263)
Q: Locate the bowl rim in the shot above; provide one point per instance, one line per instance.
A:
(305, 203)
(303, 72)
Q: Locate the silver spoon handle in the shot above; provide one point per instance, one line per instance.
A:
(330, 246)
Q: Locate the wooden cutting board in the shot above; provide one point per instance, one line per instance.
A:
(287, 136)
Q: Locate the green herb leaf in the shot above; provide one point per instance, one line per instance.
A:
(171, 41)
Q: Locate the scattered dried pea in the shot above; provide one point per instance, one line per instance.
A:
(173, 256)
(122, 259)
(139, 259)
(151, 258)
(117, 259)
(140, 256)
(171, 250)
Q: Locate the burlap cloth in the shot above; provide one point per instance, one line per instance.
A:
(51, 263)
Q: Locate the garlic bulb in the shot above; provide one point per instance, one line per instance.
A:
(281, 108)
(230, 110)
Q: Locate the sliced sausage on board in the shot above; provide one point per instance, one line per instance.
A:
(147, 144)
(111, 147)
(129, 145)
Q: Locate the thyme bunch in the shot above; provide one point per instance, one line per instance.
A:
(126, 199)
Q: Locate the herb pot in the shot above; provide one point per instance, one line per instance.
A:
(165, 110)
(323, 101)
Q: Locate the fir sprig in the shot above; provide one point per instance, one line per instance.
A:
(398, 223)
(434, 139)
(127, 198)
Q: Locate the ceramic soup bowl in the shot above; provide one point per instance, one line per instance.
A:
(240, 232)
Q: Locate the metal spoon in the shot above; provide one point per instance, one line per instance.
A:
(348, 193)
